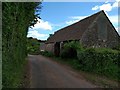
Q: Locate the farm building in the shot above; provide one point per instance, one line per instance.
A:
(42, 45)
(94, 31)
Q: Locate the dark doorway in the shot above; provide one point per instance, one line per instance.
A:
(57, 49)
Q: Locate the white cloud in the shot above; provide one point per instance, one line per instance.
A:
(115, 4)
(36, 34)
(117, 0)
(107, 6)
(71, 22)
(44, 25)
(77, 17)
(107, 1)
(74, 19)
(95, 7)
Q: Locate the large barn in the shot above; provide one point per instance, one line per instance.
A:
(94, 31)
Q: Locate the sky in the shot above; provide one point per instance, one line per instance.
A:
(57, 15)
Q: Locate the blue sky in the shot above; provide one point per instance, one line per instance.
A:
(56, 15)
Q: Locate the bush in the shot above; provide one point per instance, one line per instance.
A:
(70, 49)
(46, 53)
(117, 47)
(33, 46)
(68, 53)
(102, 61)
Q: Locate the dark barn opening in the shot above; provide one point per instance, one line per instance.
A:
(57, 49)
(72, 53)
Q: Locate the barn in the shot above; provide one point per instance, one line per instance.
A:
(93, 31)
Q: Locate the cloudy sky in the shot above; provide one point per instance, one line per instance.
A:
(56, 15)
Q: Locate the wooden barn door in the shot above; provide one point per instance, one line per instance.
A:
(57, 48)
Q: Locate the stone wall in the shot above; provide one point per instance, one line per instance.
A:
(100, 33)
(112, 38)
(50, 47)
(42, 46)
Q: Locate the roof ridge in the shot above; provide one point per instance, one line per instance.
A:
(92, 15)
(86, 21)
(80, 20)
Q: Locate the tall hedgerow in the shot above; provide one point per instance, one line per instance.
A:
(16, 18)
(102, 61)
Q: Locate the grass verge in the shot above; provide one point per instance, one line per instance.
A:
(25, 83)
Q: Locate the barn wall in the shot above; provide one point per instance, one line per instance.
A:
(100, 34)
(113, 38)
(50, 47)
(42, 46)
(90, 36)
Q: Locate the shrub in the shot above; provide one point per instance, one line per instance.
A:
(102, 61)
(70, 49)
(33, 46)
(68, 53)
(46, 53)
(117, 47)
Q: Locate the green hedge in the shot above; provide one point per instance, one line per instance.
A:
(46, 53)
(102, 61)
(33, 46)
(16, 18)
(70, 49)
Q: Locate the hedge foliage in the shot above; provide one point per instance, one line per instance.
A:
(33, 46)
(70, 49)
(102, 61)
(16, 18)
(46, 53)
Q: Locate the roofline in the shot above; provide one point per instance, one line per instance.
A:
(111, 23)
(78, 21)
(73, 24)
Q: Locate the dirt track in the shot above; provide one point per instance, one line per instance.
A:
(46, 73)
